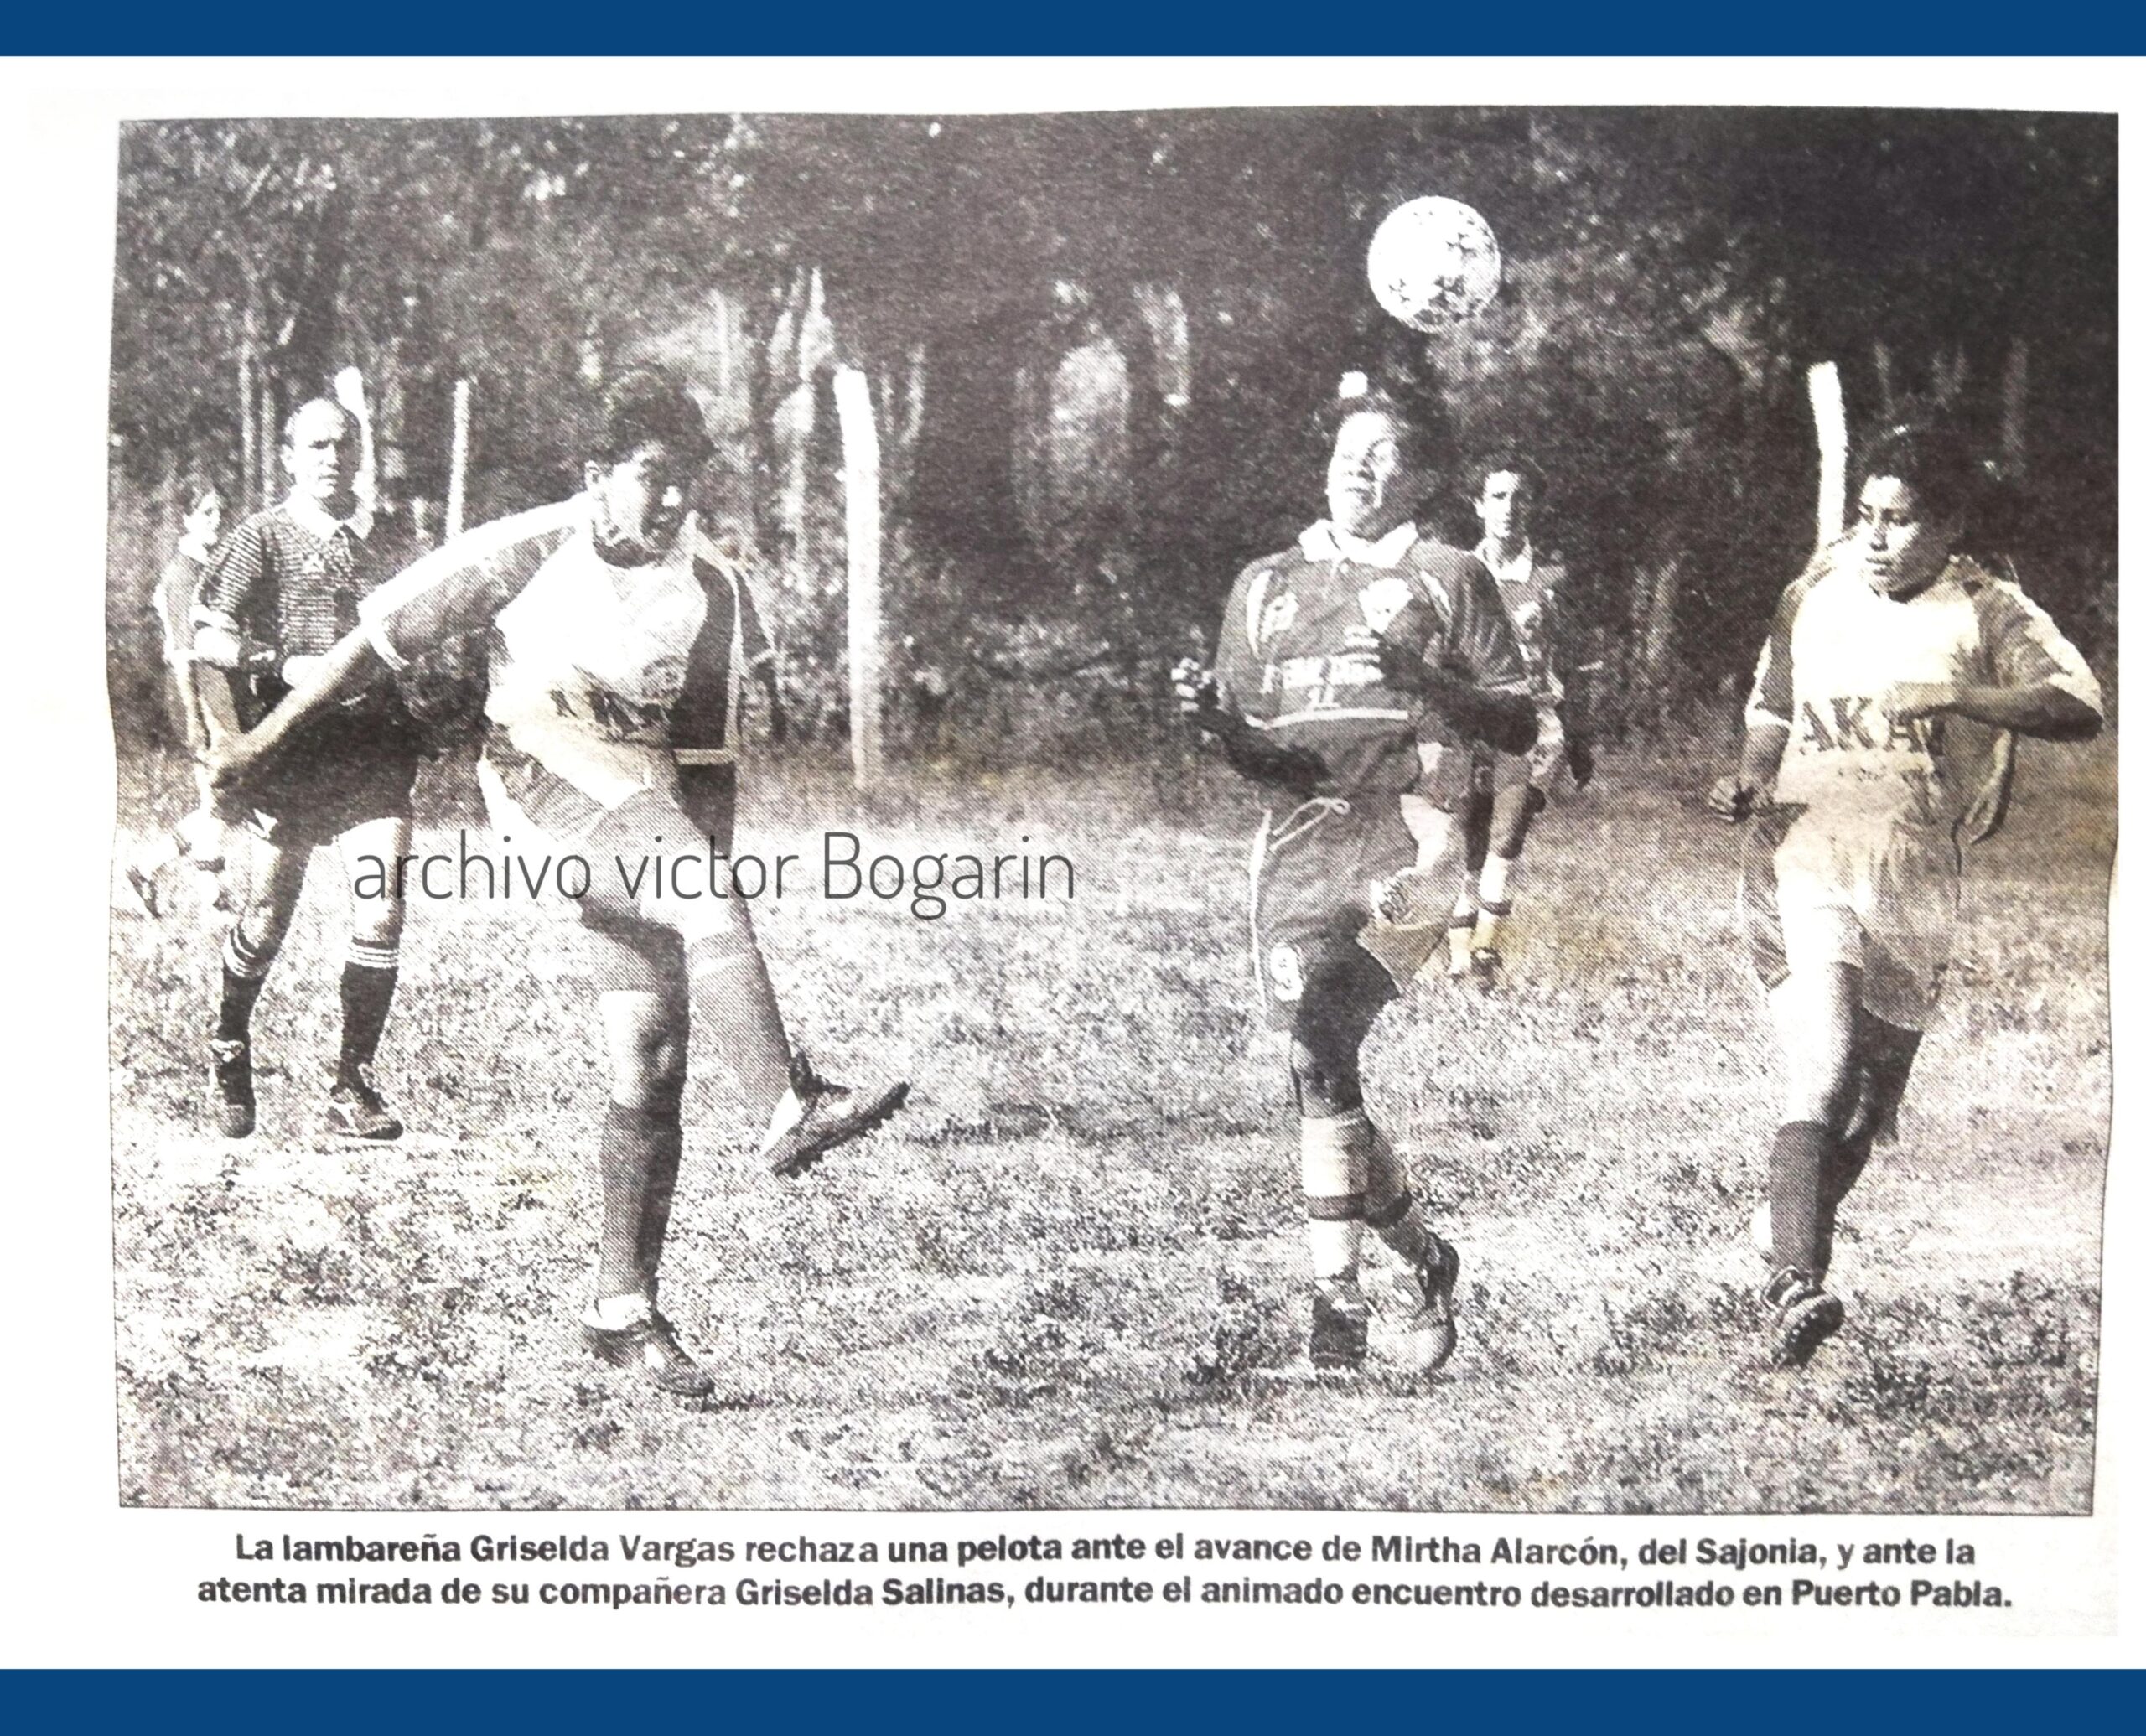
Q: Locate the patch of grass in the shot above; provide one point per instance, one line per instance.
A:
(1071, 1272)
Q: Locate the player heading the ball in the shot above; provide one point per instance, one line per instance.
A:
(1353, 673)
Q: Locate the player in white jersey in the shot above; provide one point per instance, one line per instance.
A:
(618, 642)
(1876, 741)
(1512, 789)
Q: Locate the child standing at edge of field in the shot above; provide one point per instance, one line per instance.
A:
(1352, 674)
(1876, 742)
(196, 839)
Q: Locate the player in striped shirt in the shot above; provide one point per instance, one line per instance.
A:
(198, 838)
(1353, 673)
(285, 585)
(1876, 741)
(619, 641)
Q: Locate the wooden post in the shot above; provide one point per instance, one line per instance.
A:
(2015, 410)
(1828, 410)
(860, 484)
(458, 468)
(250, 490)
(350, 394)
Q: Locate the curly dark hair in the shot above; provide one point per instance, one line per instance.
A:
(647, 406)
(1503, 460)
(1941, 467)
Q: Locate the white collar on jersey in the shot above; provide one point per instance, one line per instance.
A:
(323, 524)
(1519, 567)
(1326, 540)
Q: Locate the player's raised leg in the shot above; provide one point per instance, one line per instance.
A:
(372, 854)
(277, 879)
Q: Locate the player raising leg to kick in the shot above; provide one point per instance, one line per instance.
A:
(617, 647)
(1350, 670)
(1893, 670)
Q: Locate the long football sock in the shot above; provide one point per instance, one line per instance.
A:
(1391, 1207)
(632, 1149)
(733, 999)
(667, 1146)
(1494, 898)
(1802, 1153)
(369, 976)
(246, 969)
(1336, 1153)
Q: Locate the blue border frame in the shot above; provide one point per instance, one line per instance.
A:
(1062, 1702)
(1204, 26)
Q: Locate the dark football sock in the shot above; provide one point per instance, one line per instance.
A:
(1802, 1154)
(368, 992)
(667, 1143)
(734, 1000)
(246, 969)
(634, 1141)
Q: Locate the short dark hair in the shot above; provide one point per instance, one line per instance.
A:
(195, 486)
(648, 406)
(1414, 429)
(1938, 465)
(1502, 461)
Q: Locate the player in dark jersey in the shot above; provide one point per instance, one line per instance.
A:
(1512, 789)
(618, 643)
(198, 838)
(285, 586)
(1353, 674)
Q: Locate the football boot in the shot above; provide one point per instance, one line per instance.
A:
(231, 1085)
(650, 1346)
(1340, 1326)
(828, 1116)
(1801, 1316)
(1428, 1338)
(355, 1111)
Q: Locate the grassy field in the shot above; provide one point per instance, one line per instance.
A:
(1068, 1275)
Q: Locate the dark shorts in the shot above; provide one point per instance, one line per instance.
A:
(1315, 873)
(345, 771)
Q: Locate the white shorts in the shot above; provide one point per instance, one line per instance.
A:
(1883, 898)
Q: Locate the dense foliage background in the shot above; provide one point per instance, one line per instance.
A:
(1098, 344)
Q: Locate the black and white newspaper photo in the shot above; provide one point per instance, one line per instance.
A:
(1168, 850)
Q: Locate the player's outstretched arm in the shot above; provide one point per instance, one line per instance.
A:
(2045, 710)
(239, 755)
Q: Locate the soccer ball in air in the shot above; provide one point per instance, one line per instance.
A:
(1434, 263)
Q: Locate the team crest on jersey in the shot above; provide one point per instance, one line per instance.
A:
(1382, 599)
(1277, 615)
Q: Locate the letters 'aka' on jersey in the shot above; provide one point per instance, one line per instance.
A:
(1292, 661)
(1836, 645)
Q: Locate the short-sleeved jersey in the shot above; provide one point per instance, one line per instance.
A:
(173, 603)
(1838, 644)
(603, 679)
(286, 583)
(1286, 663)
(1529, 586)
